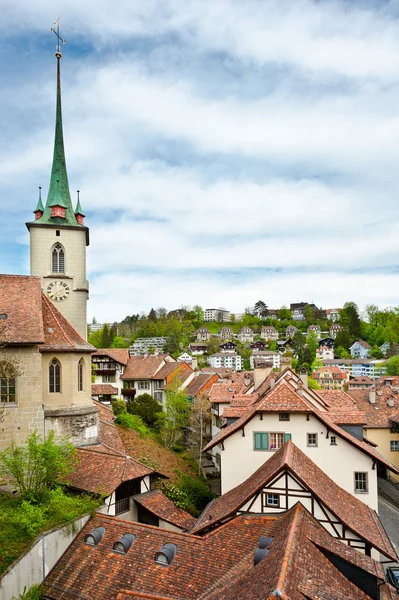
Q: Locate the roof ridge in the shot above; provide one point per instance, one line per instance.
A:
(51, 308)
(288, 546)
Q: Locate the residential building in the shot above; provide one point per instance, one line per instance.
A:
(185, 357)
(298, 310)
(291, 331)
(283, 409)
(360, 349)
(271, 313)
(330, 378)
(258, 345)
(270, 333)
(380, 405)
(201, 385)
(358, 367)
(265, 356)
(225, 333)
(327, 341)
(228, 347)
(385, 348)
(245, 334)
(217, 314)
(332, 314)
(104, 392)
(203, 334)
(315, 329)
(228, 360)
(107, 367)
(360, 383)
(325, 353)
(133, 560)
(334, 329)
(150, 345)
(198, 348)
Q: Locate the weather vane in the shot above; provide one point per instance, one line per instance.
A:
(57, 33)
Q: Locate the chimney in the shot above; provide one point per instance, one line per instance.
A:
(272, 381)
(372, 395)
(390, 402)
(194, 363)
(300, 387)
(260, 374)
(303, 374)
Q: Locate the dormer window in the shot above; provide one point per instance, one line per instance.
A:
(166, 554)
(58, 259)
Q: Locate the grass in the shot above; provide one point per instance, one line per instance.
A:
(214, 326)
(21, 521)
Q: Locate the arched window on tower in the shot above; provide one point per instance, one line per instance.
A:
(80, 375)
(54, 376)
(58, 259)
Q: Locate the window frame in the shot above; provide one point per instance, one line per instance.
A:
(58, 258)
(282, 416)
(309, 445)
(54, 365)
(397, 445)
(8, 383)
(333, 443)
(356, 481)
(144, 385)
(81, 375)
(267, 504)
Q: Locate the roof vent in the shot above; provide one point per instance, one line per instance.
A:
(264, 542)
(260, 554)
(3, 316)
(94, 537)
(124, 543)
(166, 554)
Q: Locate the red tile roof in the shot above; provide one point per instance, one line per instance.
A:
(157, 503)
(59, 335)
(218, 566)
(378, 415)
(119, 355)
(103, 389)
(142, 367)
(21, 302)
(197, 385)
(354, 513)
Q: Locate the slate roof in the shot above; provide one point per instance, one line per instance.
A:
(142, 367)
(103, 389)
(354, 513)
(157, 503)
(119, 355)
(218, 566)
(21, 301)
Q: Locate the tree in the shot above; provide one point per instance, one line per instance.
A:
(39, 466)
(177, 418)
(172, 344)
(118, 342)
(105, 337)
(284, 313)
(260, 309)
(342, 339)
(146, 407)
(393, 365)
(308, 313)
(298, 343)
(200, 421)
(312, 343)
(350, 319)
(152, 316)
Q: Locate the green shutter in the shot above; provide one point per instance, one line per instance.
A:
(261, 441)
(265, 441)
(287, 436)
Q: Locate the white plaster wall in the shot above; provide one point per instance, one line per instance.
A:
(240, 460)
(35, 564)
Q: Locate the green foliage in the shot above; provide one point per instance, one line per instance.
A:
(343, 339)
(145, 407)
(36, 592)
(312, 343)
(38, 467)
(172, 344)
(284, 314)
(119, 407)
(341, 352)
(177, 418)
(149, 462)
(21, 521)
(312, 384)
(308, 314)
(393, 365)
(349, 317)
(118, 342)
(190, 494)
(178, 497)
(133, 422)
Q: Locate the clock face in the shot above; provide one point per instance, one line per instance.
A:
(58, 291)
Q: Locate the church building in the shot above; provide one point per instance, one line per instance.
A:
(45, 359)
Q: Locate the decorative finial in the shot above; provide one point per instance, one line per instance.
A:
(59, 38)
(78, 192)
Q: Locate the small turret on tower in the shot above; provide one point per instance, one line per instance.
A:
(39, 210)
(80, 216)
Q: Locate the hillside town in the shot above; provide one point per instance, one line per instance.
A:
(192, 453)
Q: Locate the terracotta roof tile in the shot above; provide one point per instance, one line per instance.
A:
(354, 513)
(142, 367)
(103, 389)
(156, 502)
(59, 335)
(21, 302)
(199, 383)
(119, 355)
(378, 415)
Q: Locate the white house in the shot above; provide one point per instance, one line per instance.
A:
(108, 365)
(266, 356)
(230, 360)
(325, 353)
(217, 314)
(245, 334)
(268, 332)
(360, 349)
(287, 410)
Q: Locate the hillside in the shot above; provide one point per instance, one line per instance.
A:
(166, 461)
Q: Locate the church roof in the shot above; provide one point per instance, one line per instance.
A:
(59, 335)
(21, 319)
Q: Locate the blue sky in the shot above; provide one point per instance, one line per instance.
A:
(225, 151)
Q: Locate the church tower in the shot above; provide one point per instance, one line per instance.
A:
(58, 236)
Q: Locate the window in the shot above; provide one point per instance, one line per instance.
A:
(108, 378)
(144, 385)
(158, 396)
(58, 259)
(270, 441)
(394, 445)
(57, 232)
(312, 439)
(80, 375)
(54, 376)
(272, 500)
(284, 416)
(7, 389)
(333, 440)
(361, 485)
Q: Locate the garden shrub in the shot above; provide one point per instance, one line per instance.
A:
(119, 407)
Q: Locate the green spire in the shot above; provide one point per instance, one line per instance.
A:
(39, 206)
(78, 210)
(58, 193)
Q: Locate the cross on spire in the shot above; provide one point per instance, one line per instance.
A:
(59, 38)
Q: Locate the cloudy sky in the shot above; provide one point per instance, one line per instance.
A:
(226, 151)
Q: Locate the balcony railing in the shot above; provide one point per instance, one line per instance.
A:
(121, 506)
(128, 392)
(101, 371)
